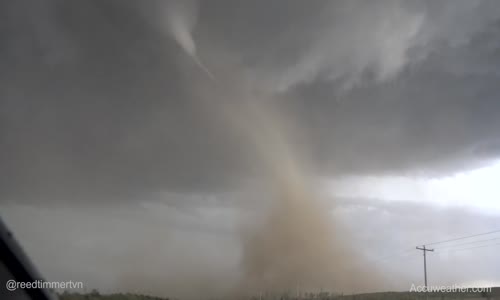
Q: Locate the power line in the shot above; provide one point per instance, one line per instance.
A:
(468, 243)
(463, 237)
(409, 250)
(470, 248)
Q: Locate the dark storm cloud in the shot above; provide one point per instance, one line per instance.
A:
(94, 103)
(98, 100)
(432, 119)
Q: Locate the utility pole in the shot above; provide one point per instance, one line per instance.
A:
(424, 250)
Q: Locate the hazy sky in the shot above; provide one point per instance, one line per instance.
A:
(115, 144)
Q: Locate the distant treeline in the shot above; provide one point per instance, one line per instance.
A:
(493, 295)
(94, 295)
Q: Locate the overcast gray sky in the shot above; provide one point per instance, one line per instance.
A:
(153, 129)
